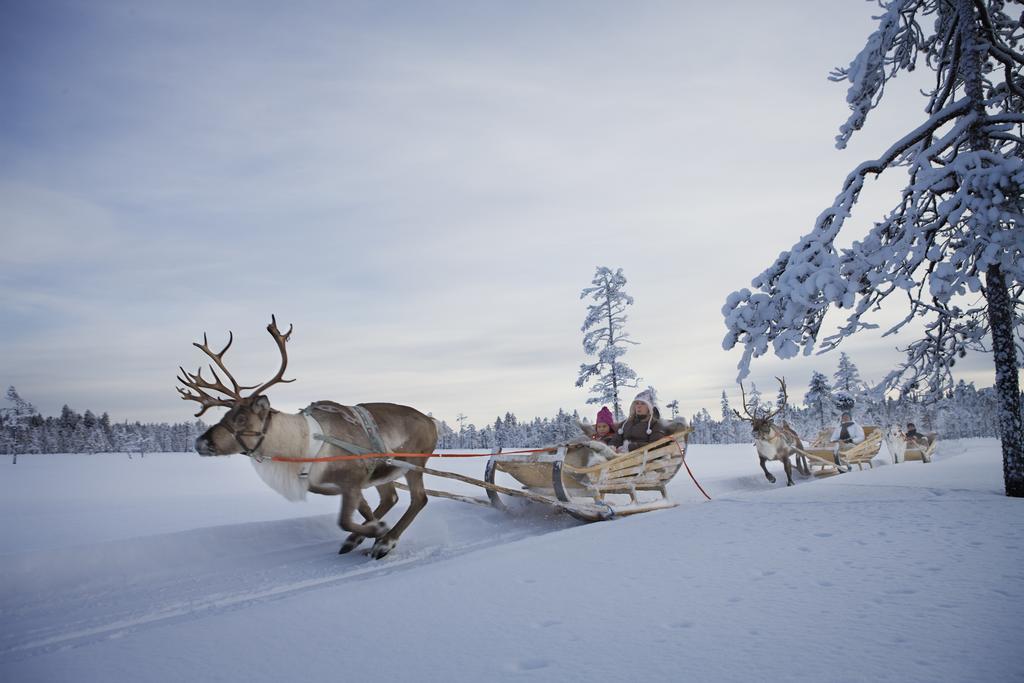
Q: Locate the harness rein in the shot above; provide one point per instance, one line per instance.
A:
(262, 434)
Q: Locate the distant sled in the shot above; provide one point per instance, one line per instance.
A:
(903, 449)
(821, 454)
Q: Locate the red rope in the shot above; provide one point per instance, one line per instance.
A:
(365, 456)
(690, 472)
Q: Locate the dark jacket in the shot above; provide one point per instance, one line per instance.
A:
(634, 432)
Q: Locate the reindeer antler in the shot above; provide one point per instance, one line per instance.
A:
(746, 409)
(750, 416)
(281, 340)
(200, 385)
(785, 396)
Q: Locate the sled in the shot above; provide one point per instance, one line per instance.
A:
(584, 489)
(902, 451)
(821, 460)
(562, 477)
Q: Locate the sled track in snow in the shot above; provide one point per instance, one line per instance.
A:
(90, 616)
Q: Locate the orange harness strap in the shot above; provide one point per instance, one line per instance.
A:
(364, 456)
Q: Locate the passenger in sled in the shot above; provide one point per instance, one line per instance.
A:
(604, 427)
(643, 425)
(914, 438)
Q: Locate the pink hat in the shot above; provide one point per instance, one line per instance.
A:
(604, 415)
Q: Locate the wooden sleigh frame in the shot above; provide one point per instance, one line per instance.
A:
(582, 490)
(821, 454)
(558, 477)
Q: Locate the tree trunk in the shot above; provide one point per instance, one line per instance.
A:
(1000, 317)
(1000, 308)
(617, 407)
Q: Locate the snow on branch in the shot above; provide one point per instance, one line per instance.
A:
(891, 48)
(958, 216)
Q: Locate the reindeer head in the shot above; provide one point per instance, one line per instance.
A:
(761, 422)
(243, 427)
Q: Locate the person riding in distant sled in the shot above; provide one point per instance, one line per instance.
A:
(846, 435)
(914, 438)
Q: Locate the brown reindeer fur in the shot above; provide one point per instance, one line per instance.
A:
(403, 430)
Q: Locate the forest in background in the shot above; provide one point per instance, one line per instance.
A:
(962, 413)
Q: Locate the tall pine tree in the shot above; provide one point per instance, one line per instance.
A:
(605, 337)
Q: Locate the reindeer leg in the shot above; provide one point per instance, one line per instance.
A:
(352, 500)
(388, 498)
(418, 496)
(801, 464)
(353, 540)
(769, 475)
(789, 470)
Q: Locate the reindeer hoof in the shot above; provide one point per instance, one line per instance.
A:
(771, 478)
(351, 543)
(382, 547)
(789, 483)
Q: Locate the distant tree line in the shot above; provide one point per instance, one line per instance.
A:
(24, 430)
(962, 412)
(509, 432)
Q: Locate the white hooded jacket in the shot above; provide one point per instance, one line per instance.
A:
(855, 430)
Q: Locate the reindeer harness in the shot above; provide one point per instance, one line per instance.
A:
(261, 434)
(318, 435)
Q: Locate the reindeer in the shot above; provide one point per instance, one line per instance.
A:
(773, 442)
(252, 427)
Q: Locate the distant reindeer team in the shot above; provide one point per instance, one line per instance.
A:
(774, 442)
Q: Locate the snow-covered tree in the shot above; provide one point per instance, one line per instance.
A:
(955, 232)
(673, 405)
(755, 405)
(847, 376)
(605, 338)
(16, 418)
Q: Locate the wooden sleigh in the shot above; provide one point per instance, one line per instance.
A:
(820, 454)
(584, 490)
(901, 450)
(562, 478)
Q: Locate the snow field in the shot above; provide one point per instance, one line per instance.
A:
(176, 567)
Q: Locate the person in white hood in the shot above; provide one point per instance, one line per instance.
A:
(846, 435)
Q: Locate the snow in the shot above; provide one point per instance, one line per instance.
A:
(176, 567)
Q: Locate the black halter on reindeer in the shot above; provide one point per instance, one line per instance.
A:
(321, 431)
(774, 442)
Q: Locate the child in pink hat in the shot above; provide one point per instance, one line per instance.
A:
(604, 426)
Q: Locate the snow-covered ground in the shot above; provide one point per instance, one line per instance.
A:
(176, 567)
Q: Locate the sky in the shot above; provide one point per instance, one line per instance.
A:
(421, 188)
